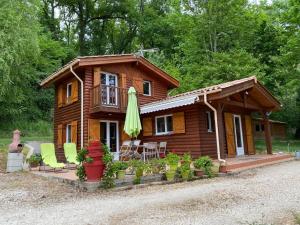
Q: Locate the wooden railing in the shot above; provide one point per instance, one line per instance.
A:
(109, 98)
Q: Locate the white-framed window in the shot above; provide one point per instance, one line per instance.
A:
(164, 124)
(147, 88)
(69, 92)
(68, 133)
(209, 121)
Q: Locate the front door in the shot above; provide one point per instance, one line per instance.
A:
(109, 132)
(238, 133)
(109, 91)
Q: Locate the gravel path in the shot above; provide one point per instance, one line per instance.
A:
(268, 195)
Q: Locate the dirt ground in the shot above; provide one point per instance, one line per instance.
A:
(268, 195)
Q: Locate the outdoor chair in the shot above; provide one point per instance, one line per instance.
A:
(125, 150)
(162, 148)
(150, 150)
(49, 158)
(71, 153)
(134, 149)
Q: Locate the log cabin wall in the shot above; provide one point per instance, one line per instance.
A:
(64, 115)
(188, 142)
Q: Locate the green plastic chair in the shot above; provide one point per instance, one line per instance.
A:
(71, 153)
(49, 157)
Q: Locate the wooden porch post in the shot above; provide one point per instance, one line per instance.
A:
(268, 138)
(221, 129)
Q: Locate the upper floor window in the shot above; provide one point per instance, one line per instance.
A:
(147, 88)
(68, 133)
(210, 121)
(69, 92)
(164, 124)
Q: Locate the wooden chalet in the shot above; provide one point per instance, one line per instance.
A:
(91, 100)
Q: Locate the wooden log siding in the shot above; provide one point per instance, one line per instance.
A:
(180, 143)
(65, 115)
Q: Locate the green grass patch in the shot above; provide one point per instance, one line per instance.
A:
(278, 146)
(28, 129)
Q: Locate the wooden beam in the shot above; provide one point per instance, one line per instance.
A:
(241, 104)
(221, 129)
(267, 132)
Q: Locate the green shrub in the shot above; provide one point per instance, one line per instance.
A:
(204, 163)
(157, 165)
(172, 159)
(82, 158)
(34, 159)
(110, 169)
(119, 165)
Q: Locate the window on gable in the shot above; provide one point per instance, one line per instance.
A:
(164, 124)
(147, 88)
(68, 133)
(209, 121)
(69, 92)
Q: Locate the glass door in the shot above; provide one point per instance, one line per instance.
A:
(239, 143)
(109, 133)
(109, 89)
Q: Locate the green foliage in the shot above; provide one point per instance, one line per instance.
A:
(120, 165)
(200, 43)
(82, 158)
(205, 163)
(34, 159)
(110, 170)
(172, 159)
(157, 165)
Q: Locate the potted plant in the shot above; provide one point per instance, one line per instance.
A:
(82, 158)
(120, 168)
(170, 175)
(198, 168)
(157, 165)
(34, 160)
(172, 160)
(204, 163)
(185, 171)
(139, 168)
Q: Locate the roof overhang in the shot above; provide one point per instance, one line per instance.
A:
(81, 62)
(169, 104)
(221, 93)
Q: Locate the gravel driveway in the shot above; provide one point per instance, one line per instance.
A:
(268, 195)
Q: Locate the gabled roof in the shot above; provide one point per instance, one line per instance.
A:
(215, 92)
(83, 61)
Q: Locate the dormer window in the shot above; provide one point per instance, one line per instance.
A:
(147, 88)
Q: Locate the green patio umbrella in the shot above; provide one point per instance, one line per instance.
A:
(132, 124)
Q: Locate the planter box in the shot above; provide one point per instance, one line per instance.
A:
(14, 162)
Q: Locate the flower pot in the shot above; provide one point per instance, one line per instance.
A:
(120, 174)
(139, 172)
(185, 174)
(173, 167)
(170, 174)
(94, 171)
(222, 169)
(198, 172)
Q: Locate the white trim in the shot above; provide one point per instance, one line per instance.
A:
(209, 120)
(239, 150)
(67, 133)
(116, 154)
(107, 74)
(165, 121)
(150, 88)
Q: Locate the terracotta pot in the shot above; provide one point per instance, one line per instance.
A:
(223, 169)
(94, 171)
(198, 172)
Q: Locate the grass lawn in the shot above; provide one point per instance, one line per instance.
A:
(278, 146)
(4, 142)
